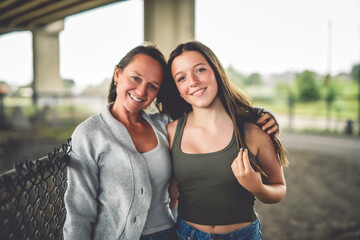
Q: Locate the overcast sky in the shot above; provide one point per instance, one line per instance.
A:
(253, 35)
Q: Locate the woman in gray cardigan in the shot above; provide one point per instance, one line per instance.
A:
(120, 165)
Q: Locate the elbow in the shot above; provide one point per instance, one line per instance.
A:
(281, 195)
(277, 197)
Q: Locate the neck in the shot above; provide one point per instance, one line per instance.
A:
(125, 117)
(211, 115)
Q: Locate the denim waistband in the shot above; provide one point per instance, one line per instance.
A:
(185, 230)
(162, 235)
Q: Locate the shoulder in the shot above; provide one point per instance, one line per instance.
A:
(171, 129)
(255, 136)
(87, 126)
(157, 120)
(88, 134)
(253, 130)
(159, 117)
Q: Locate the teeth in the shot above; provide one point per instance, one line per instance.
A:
(135, 99)
(197, 92)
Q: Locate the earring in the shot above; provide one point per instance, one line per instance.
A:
(115, 83)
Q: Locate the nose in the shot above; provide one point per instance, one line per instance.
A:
(194, 81)
(141, 90)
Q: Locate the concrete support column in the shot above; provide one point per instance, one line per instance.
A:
(169, 22)
(46, 61)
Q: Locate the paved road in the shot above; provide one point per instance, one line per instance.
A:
(334, 146)
(322, 199)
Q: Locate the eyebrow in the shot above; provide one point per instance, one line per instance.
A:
(156, 83)
(140, 75)
(196, 65)
(199, 64)
(137, 73)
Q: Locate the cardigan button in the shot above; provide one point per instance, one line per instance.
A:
(142, 191)
(134, 220)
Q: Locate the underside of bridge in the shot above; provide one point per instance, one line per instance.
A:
(30, 15)
(45, 19)
(166, 23)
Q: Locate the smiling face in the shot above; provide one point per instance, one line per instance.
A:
(138, 83)
(194, 79)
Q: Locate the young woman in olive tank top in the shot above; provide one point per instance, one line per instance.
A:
(222, 158)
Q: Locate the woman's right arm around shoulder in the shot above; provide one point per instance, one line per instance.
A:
(81, 195)
(173, 186)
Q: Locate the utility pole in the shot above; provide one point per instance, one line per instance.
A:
(329, 97)
(329, 47)
(359, 89)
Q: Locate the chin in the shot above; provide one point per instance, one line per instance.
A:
(203, 105)
(134, 109)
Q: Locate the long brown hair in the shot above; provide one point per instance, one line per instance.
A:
(150, 50)
(235, 103)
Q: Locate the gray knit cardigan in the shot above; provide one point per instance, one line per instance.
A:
(109, 191)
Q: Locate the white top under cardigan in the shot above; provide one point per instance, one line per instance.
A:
(109, 191)
(159, 165)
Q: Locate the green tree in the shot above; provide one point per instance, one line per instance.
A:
(253, 79)
(331, 90)
(69, 85)
(308, 89)
(355, 72)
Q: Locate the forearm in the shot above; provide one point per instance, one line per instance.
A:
(173, 193)
(271, 193)
(80, 199)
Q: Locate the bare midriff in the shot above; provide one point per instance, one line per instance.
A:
(220, 229)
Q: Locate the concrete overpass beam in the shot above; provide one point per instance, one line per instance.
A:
(169, 22)
(46, 60)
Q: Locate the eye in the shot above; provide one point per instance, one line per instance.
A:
(135, 78)
(180, 79)
(200, 70)
(153, 87)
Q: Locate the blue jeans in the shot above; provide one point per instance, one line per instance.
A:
(188, 232)
(167, 234)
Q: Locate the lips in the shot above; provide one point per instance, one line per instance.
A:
(135, 98)
(198, 92)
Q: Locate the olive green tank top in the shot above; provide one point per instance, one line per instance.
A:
(209, 192)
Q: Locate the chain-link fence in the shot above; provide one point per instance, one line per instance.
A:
(32, 197)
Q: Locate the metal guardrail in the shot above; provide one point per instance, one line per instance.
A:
(32, 197)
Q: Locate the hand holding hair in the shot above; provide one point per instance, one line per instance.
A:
(245, 174)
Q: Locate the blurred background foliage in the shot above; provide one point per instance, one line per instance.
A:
(308, 93)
